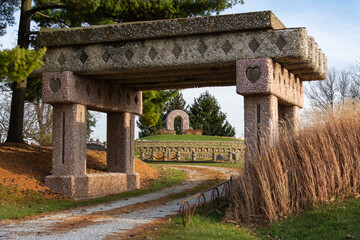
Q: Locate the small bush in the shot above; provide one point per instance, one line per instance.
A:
(318, 164)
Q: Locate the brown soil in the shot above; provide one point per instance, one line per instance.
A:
(26, 166)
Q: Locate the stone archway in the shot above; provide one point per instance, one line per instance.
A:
(105, 68)
(170, 120)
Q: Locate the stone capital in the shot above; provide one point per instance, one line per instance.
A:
(66, 87)
(267, 77)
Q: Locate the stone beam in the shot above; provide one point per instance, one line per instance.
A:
(289, 47)
(158, 29)
(266, 77)
(65, 87)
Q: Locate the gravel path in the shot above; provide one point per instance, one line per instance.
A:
(111, 219)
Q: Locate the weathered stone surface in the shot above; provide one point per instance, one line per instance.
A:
(185, 123)
(93, 185)
(199, 60)
(103, 68)
(120, 142)
(69, 140)
(158, 29)
(264, 76)
(261, 122)
(99, 96)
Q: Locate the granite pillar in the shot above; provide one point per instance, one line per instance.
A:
(289, 117)
(69, 150)
(261, 121)
(272, 94)
(69, 140)
(120, 138)
(121, 147)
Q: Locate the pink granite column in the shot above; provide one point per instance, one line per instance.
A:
(69, 140)
(290, 116)
(120, 140)
(261, 121)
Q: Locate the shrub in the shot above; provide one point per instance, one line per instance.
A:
(318, 164)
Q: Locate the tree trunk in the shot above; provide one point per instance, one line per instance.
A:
(15, 133)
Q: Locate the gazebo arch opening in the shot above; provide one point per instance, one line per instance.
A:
(183, 116)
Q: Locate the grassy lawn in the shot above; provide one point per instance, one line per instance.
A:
(170, 137)
(335, 221)
(16, 204)
(338, 220)
(200, 227)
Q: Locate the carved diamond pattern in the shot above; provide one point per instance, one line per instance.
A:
(254, 45)
(152, 53)
(136, 100)
(128, 99)
(129, 54)
(202, 48)
(106, 56)
(226, 47)
(83, 57)
(61, 59)
(281, 42)
(176, 51)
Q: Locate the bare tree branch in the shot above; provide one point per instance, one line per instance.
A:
(46, 7)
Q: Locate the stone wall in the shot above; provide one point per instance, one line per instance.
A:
(191, 156)
(197, 149)
(189, 150)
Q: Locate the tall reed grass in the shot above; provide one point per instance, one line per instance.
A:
(318, 164)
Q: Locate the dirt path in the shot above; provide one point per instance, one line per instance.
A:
(111, 220)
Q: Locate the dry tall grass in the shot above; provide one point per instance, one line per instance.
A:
(319, 164)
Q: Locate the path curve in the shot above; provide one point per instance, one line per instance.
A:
(104, 221)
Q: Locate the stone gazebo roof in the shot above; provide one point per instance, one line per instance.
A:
(181, 53)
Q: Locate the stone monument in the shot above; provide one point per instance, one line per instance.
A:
(105, 68)
(170, 119)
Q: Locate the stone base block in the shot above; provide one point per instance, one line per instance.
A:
(93, 185)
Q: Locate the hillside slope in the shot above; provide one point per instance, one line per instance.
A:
(26, 166)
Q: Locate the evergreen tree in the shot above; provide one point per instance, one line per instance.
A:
(205, 114)
(90, 123)
(153, 105)
(153, 110)
(7, 9)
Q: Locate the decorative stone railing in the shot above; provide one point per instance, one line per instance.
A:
(142, 143)
(197, 149)
(189, 150)
(190, 156)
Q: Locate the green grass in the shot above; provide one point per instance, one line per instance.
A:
(335, 221)
(14, 204)
(338, 220)
(200, 227)
(170, 137)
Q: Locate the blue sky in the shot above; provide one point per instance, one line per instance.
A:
(334, 24)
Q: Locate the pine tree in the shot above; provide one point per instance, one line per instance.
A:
(205, 114)
(7, 9)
